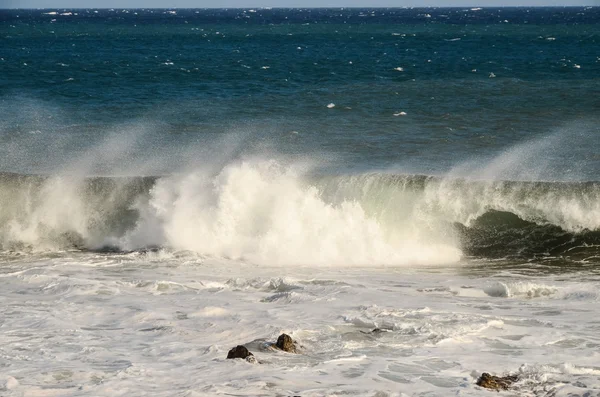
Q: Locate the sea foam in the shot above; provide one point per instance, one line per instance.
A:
(261, 211)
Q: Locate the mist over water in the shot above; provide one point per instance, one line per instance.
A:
(563, 154)
(413, 195)
(237, 196)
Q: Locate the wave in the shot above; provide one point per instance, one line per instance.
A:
(264, 211)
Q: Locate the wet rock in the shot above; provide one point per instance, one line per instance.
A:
(375, 331)
(496, 382)
(286, 343)
(240, 352)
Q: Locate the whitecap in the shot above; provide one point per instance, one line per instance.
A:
(346, 359)
(516, 289)
(210, 311)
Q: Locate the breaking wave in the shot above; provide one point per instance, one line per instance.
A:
(268, 212)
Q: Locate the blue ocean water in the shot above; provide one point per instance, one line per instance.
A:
(496, 110)
(471, 81)
(413, 195)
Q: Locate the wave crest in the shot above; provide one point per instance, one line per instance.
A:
(263, 211)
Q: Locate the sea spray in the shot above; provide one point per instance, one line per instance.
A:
(274, 212)
(261, 211)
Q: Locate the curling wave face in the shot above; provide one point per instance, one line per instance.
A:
(264, 211)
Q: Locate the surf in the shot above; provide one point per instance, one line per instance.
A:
(267, 211)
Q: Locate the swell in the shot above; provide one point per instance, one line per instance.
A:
(265, 212)
(572, 206)
(66, 211)
(491, 219)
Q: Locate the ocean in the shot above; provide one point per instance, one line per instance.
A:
(176, 182)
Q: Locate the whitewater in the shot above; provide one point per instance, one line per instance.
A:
(160, 323)
(411, 194)
(139, 285)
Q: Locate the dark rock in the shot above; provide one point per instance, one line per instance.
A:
(375, 331)
(286, 343)
(239, 352)
(496, 382)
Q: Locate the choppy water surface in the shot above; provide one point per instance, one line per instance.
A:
(156, 324)
(177, 182)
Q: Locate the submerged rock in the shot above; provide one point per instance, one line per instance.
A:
(496, 382)
(286, 343)
(375, 331)
(241, 352)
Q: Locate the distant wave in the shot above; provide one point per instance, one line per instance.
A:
(265, 212)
